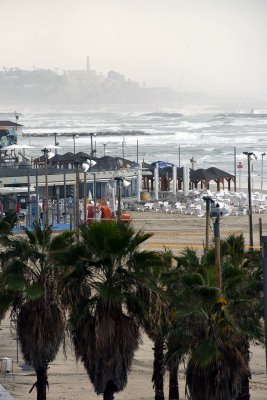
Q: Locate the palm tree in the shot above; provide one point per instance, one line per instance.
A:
(7, 224)
(242, 283)
(214, 331)
(101, 290)
(216, 366)
(190, 299)
(31, 278)
(155, 319)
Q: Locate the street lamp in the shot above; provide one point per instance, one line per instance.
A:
(208, 201)
(262, 155)
(249, 154)
(216, 212)
(86, 166)
(47, 156)
(120, 181)
(74, 137)
(92, 134)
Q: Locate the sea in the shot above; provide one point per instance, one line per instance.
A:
(198, 139)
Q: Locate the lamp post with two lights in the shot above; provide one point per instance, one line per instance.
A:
(216, 212)
(249, 154)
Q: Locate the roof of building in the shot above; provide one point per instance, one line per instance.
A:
(102, 163)
(9, 123)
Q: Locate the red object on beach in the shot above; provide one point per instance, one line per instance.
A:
(240, 164)
(103, 213)
(127, 218)
(90, 213)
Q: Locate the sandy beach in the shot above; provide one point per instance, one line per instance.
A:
(68, 379)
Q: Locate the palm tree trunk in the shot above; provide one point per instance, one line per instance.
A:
(41, 383)
(109, 391)
(173, 379)
(244, 392)
(158, 368)
(108, 395)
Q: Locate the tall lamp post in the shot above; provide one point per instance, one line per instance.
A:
(74, 137)
(47, 156)
(249, 154)
(120, 181)
(86, 166)
(262, 155)
(216, 212)
(208, 201)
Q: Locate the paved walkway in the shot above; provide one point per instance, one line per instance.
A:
(4, 395)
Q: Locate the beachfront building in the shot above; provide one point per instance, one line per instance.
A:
(24, 183)
(9, 132)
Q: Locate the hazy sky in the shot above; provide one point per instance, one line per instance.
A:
(212, 46)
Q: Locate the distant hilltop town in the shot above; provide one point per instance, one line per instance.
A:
(86, 86)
